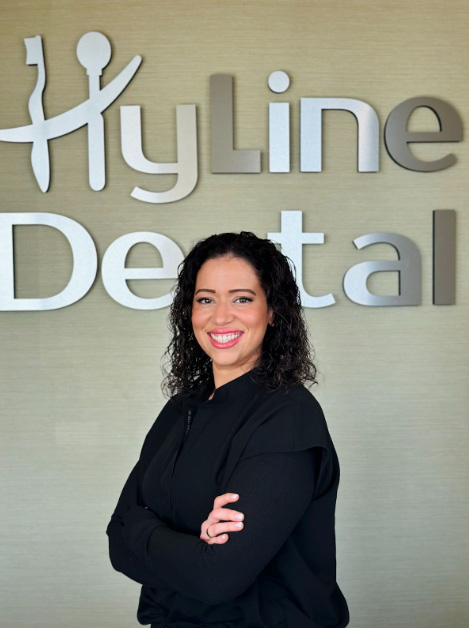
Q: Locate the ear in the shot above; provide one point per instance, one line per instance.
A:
(270, 317)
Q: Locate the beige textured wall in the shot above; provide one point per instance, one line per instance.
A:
(80, 385)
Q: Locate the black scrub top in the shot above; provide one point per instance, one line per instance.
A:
(279, 570)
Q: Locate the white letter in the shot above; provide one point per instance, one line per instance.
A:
(85, 261)
(279, 137)
(115, 273)
(311, 132)
(292, 238)
(186, 165)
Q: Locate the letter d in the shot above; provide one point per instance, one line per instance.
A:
(85, 261)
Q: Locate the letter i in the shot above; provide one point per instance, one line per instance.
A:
(279, 124)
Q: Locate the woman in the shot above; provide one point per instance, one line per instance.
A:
(240, 438)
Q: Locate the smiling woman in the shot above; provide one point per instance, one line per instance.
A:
(260, 275)
(240, 427)
(230, 324)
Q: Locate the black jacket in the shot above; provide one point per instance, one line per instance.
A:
(279, 570)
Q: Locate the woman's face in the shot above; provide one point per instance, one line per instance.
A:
(230, 314)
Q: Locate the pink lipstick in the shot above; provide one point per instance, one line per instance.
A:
(229, 343)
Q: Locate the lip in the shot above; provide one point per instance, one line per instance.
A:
(225, 345)
(224, 330)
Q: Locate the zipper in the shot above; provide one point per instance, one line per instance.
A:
(188, 423)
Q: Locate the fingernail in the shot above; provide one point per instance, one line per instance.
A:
(234, 495)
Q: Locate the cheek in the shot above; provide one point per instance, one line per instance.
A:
(198, 319)
(258, 318)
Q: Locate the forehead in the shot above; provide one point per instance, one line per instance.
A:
(223, 270)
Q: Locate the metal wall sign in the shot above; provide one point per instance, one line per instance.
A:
(94, 53)
(291, 238)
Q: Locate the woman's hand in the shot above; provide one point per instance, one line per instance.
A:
(232, 520)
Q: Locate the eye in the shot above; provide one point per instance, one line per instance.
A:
(246, 299)
(203, 299)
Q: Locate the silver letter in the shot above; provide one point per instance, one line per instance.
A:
(279, 124)
(279, 137)
(225, 159)
(397, 137)
(291, 238)
(444, 257)
(115, 274)
(85, 261)
(408, 266)
(94, 53)
(186, 165)
(41, 130)
(311, 132)
(40, 150)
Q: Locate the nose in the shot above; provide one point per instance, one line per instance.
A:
(223, 313)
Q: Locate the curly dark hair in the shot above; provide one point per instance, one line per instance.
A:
(286, 356)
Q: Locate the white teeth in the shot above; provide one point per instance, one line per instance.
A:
(225, 337)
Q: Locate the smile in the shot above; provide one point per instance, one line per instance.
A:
(224, 340)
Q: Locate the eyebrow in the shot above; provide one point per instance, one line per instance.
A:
(230, 291)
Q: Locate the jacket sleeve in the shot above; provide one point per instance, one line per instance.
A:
(274, 490)
(122, 558)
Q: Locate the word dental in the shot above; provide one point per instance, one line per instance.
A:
(94, 53)
(291, 238)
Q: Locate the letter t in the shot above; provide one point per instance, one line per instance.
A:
(291, 238)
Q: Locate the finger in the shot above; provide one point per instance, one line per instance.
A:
(226, 498)
(222, 538)
(227, 514)
(216, 529)
(218, 540)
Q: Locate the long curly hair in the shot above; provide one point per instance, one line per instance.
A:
(286, 354)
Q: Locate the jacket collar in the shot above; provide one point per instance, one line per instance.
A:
(241, 385)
